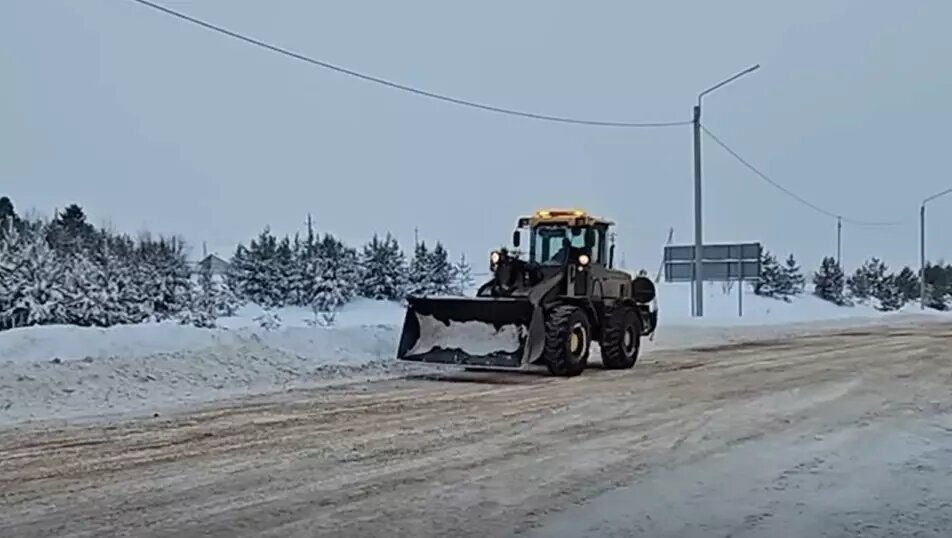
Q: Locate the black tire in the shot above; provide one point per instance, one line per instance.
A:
(568, 336)
(621, 339)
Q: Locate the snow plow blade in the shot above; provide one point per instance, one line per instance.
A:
(495, 333)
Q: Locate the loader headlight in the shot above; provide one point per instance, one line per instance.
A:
(583, 260)
(494, 257)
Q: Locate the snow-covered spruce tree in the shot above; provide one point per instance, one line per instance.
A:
(937, 278)
(69, 232)
(298, 277)
(419, 277)
(828, 282)
(94, 285)
(889, 295)
(383, 270)
(441, 271)
(32, 281)
(907, 282)
(335, 275)
(771, 277)
(284, 273)
(464, 276)
(164, 274)
(8, 217)
(211, 299)
(307, 262)
(239, 270)
(13, 244)
(255, 272)
(867, 280)
(792, 282)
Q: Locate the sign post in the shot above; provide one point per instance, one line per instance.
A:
(723, 262)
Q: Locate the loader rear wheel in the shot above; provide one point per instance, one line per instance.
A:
(568, 336)
(622, 338)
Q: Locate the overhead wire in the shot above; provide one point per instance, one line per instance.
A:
(795, 196)
(399, 86)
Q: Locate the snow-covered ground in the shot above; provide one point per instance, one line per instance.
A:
(67, 372)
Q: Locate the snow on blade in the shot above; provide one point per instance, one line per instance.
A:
(473, 337)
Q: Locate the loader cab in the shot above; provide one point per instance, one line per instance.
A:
(554, 234)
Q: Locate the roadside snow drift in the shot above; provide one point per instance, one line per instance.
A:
(60, 372)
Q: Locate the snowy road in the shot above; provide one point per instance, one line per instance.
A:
(841, 434)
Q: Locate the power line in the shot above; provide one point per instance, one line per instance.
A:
(403, 87)
(792, 194)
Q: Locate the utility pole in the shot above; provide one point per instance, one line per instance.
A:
(922, 257)
(922, 246)
(698, 277)
(839, 241)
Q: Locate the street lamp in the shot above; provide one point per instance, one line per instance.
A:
(698, 242)
(922, 247)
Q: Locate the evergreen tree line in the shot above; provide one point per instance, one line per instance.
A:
(323, 273)
(67, 271)
(872, 283)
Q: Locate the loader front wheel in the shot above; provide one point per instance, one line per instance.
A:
(622, 338)
(568, 335)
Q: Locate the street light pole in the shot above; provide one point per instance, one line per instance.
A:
(698, 226)
(922, 246)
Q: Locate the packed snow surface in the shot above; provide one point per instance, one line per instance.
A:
(473, 337)
(58, 372)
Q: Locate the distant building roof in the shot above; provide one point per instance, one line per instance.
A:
(213, 264)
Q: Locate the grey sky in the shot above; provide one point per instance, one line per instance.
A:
(149, 121)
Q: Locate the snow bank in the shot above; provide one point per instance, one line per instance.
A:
(67, 372)
(721, 308)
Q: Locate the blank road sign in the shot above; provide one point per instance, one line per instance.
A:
(730, 251)
(684, 272)
(729, 261)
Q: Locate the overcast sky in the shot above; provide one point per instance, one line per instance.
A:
(148, 121)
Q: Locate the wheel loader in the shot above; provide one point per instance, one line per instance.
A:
(539, 312)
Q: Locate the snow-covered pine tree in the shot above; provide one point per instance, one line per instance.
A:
(907, 282)
(284, 273)
(33, 275)
(349, 271)
(419, 278)
(239, 271)
(335, 279)
(299, 273)
(771, 277)
(441, 271)
(177, 276)
(211, 299)
(258, 271)
(383, 270)
(828, 282)
(69, 231)
(12, 251)
(792, 282)
(96, 285)
(307, 263)
(867, 279)
(464, 280)
(937, 279)
(889, 294)
(8, 217)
